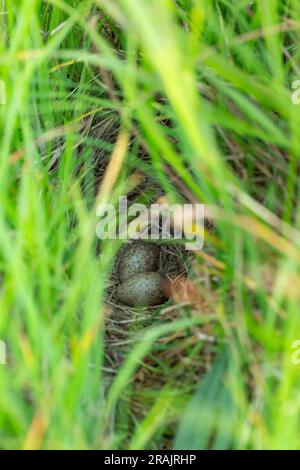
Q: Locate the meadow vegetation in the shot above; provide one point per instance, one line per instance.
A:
(188, 100)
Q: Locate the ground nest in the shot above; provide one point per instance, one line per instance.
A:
(124, 322)
(173, 264)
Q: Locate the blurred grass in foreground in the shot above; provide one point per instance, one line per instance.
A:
(205, 89)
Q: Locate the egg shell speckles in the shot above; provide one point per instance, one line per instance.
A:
(138, 257)
(143, 290)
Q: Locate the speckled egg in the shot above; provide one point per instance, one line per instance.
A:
(143, 290)
(138, 257)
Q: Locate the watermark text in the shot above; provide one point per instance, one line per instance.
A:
(295, 96)
(159, 221)
(2, 92)
(2, 353)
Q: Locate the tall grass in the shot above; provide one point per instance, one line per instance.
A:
(204, 90)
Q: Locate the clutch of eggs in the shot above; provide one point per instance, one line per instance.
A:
(141, 284)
